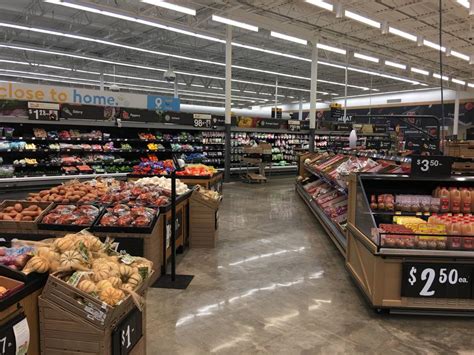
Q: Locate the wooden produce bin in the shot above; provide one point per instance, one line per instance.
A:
(204, 221)
(463, 149)
(24, 301)
(74, 322)
(213, 182)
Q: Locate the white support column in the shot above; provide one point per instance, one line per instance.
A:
(345, 88)
(276, 96)
(456, 115)
(101, 80)
(312, 96)
(176, 88)
(228, 100)
(300, 113)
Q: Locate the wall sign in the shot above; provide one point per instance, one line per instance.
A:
(437, 280)
(43, 111)
(163, 103)
(434, 165)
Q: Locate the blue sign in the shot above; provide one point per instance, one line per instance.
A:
(163, 103)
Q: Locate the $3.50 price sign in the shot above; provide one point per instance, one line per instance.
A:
(431, 166)
(437, 280)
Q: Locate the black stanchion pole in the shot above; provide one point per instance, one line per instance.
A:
(172, 281)
(173, 226)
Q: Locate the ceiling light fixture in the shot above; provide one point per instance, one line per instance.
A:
(169, 6)
(288, 38)
(322, 4)
(396, 65)
(366, 57)
(362, 19)
(471, 85)
(132, 19)
(464, 3)
(420, 71)
(437, 76)
(457, 81)
(460, 55)
(228, 21)
(331, 49)
(114, 44)
(434, 45)
(177, 30)
(403, 34)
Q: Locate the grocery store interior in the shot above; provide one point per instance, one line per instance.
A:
(236, 177)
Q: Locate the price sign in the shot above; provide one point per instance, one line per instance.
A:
(127, 334)
(437, 280)
(202, 120)
(434, 165)
(14, 336)
(43, 111)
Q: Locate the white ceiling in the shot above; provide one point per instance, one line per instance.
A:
(204, 58)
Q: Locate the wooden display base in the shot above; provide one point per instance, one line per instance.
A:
(380, 277)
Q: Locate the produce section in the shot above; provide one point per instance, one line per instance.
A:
(29, 150)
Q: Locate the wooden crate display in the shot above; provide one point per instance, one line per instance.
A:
(204, 221)
(74, 322)
(24, 225)
(64, 333)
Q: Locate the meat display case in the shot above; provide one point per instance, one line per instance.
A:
(401, 263)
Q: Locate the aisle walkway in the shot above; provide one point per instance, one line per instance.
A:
(276, 285)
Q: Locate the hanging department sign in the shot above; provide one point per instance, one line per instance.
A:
(60, 94)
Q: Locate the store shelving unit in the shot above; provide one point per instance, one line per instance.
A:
(109, 150)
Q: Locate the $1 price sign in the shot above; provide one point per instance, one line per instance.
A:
(437, 280)
(127, 334)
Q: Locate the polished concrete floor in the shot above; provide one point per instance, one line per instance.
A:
(276, 284)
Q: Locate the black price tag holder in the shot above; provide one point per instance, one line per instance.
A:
(43, 111)
(128, 333)
(431, 165)
(9, 338)
(437, 280)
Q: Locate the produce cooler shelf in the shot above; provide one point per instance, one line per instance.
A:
(333, 231)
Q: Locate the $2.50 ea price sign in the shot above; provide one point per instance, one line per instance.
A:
(437, 280)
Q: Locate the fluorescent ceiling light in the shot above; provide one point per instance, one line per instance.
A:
(366, 57)
(361, 18)
(464, 3)
(228, 21)
(457, 81)
(396, 65)
(188, 33)
(403, 34)
(198, 85)
(460, 55)
(420, 71)
(169, 6)
(437, 76)
(288, 38)
(321, 4)
(250, 92)
(382, 75)
(471, 85)
(114, 44)
(434, 45)
(132, 19)
(330, 48)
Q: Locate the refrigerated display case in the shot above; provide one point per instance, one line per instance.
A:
(410, 242)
